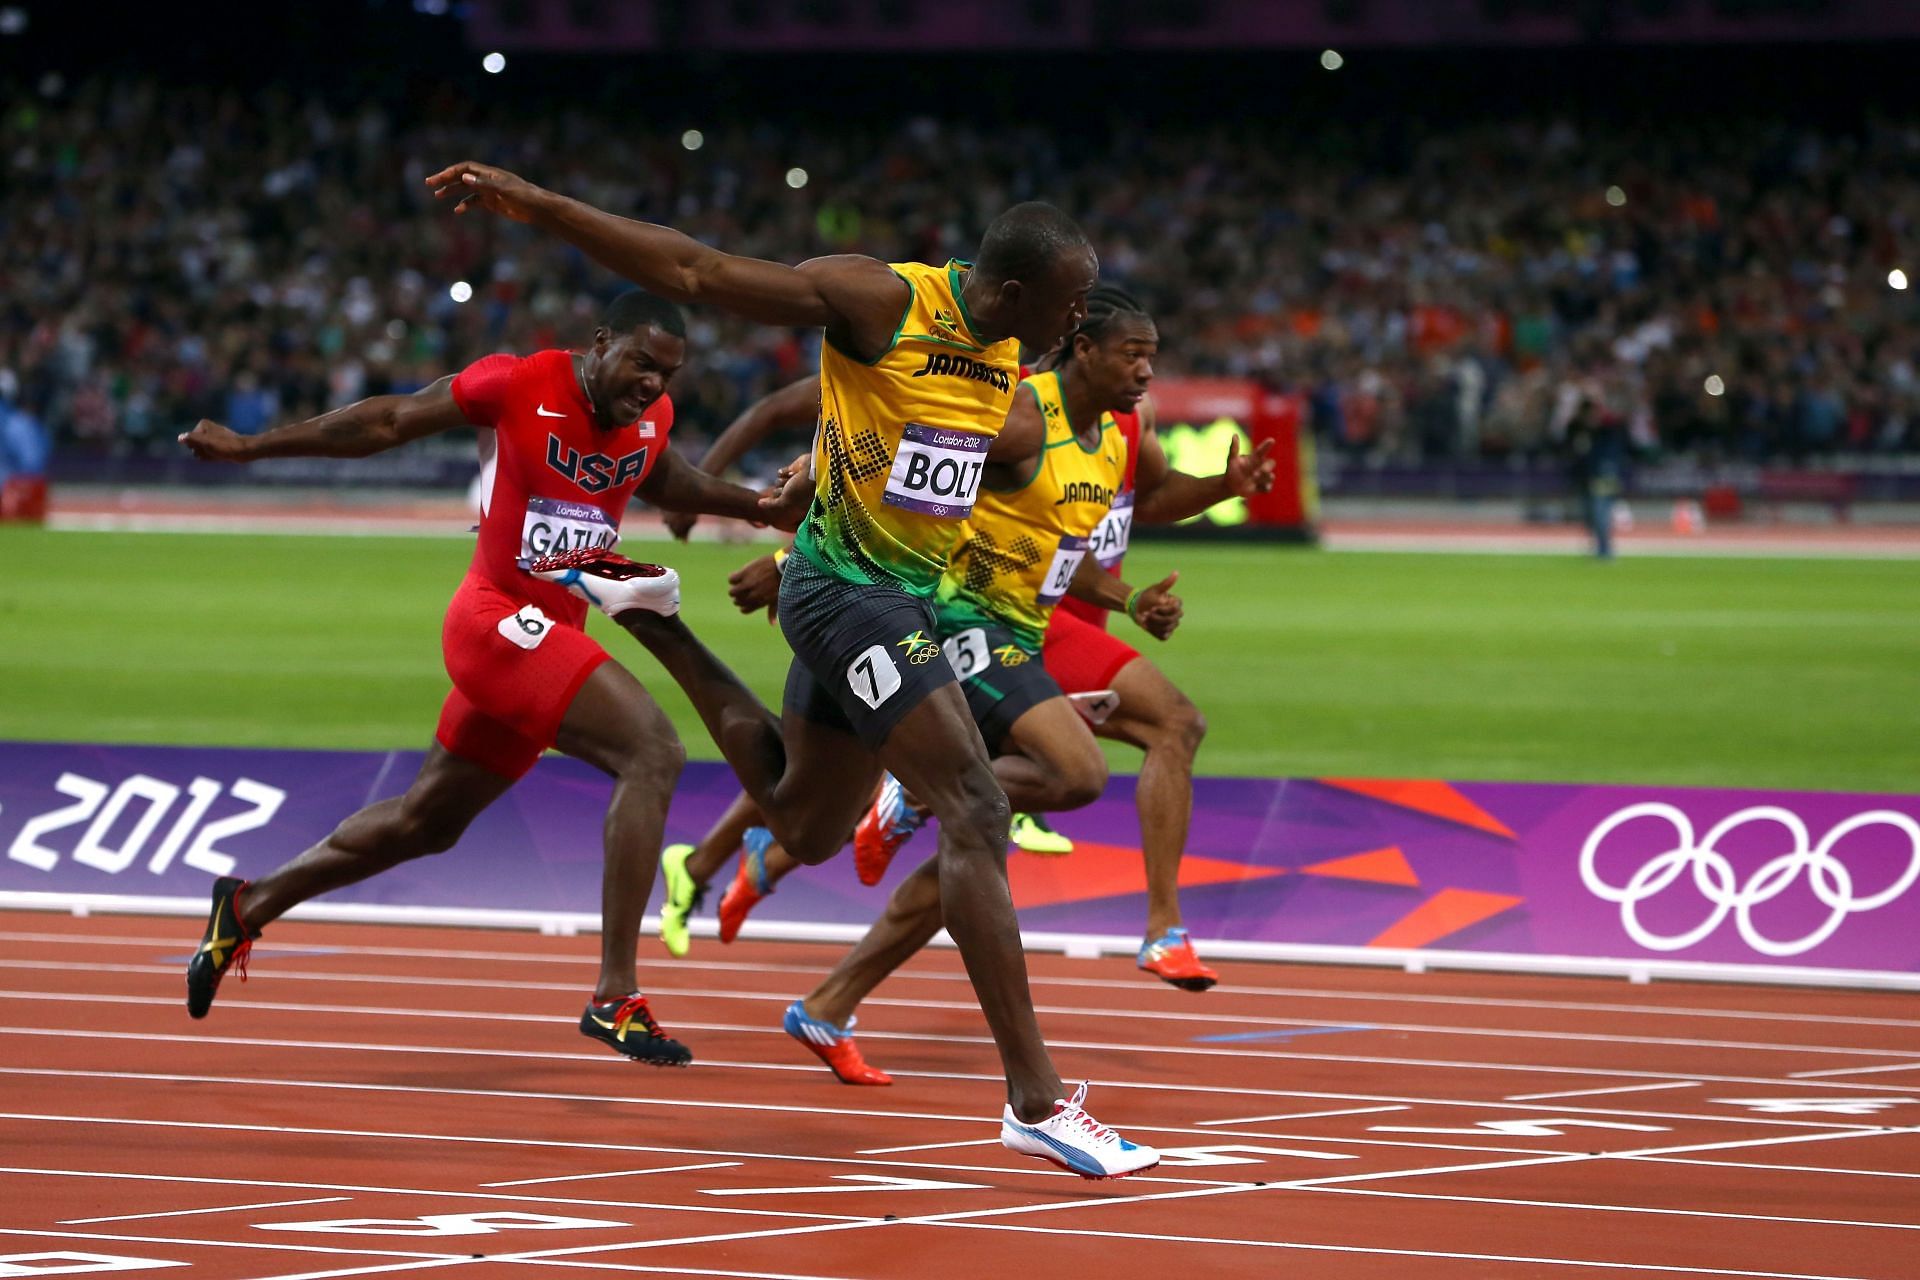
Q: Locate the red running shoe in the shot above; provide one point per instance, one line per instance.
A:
(750, 883)
(834, 1046)
(1171, 958)
(890, 822)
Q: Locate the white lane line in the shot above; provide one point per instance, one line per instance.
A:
(1132, 1015)
(1023, 1169)
(560, 1145)
(197, 1242)
(368, 1271)
(1447, 1064)
(1787, 1168)
(117, 1176)
(192, 1213)
(354, 1086)
(1589, 1093)
(723, 1105)
(1381, 1251)
(1617, 1208)
(1137, 988)
(603, 1265)
(1852, 1071)
(930, 1146)
(1299, 1115)
(1104, 984)
(1242, 1188)
(617, 1173)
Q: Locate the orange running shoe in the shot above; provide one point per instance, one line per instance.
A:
(1171, 958)
(750, 883)
(834, 1046)
(890, 822)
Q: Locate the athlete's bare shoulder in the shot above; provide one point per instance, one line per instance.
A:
(869, 298)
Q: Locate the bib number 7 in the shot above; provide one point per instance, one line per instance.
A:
(873, 677)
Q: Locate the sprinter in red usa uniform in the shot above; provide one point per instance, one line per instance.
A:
(578, 434)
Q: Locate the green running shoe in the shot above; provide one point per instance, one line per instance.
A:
(683, 895)
(1031, 832)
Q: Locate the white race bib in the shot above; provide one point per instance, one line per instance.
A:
(526, 628)
(1111, 534)
(1060, 574)
(553, 525)
(936, 472)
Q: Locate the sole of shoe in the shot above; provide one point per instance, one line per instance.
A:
(1081, 1173)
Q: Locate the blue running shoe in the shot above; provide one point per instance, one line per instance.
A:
(833, 1046)
(1076, 1141)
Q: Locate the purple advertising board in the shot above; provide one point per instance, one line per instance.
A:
(1803, 881)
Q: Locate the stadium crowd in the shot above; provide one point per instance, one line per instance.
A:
(1720, 289)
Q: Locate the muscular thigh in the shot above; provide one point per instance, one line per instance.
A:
(869, 649)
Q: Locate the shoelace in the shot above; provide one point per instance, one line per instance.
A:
(238, 963)
(634, 1009)
(1075, 1116)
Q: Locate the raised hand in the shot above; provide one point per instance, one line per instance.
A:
(1251, 473)
(494, 190)
(211, 442)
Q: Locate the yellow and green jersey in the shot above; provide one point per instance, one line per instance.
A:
(1019, 549)
(903, 439)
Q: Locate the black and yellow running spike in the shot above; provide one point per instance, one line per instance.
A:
(626, 1025)
(224, 946)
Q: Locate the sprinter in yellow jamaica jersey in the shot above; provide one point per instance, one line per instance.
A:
(916, 376)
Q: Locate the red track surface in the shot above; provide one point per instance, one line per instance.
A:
(383, 1100)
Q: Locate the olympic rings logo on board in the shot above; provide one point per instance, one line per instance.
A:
(1714, 878)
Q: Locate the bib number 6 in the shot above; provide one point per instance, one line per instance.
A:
(968, 653)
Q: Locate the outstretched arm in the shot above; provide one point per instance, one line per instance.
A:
(364, 427)
(1165, 496)
(857, 300)
(795, 405)
(675, 484)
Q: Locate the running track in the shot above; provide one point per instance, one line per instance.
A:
(379, 1100)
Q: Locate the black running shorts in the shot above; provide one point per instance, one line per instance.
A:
(1002, 678)
(864, 655)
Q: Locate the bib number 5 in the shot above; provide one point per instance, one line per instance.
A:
(967, 652)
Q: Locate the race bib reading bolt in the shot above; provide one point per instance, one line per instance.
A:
(936, 472)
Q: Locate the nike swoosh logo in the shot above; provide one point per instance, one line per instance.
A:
(545, 412)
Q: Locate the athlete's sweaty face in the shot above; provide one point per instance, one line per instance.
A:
(1053, 306)
(627, 373)
(1119, 367)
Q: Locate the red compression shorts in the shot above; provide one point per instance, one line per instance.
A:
(515, 672)
(1081, 657)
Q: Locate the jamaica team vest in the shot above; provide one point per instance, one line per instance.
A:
(1019, 550)
(903, 439)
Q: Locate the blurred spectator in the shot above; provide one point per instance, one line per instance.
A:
(1719, 288)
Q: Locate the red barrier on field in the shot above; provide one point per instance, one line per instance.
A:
(1197, 419)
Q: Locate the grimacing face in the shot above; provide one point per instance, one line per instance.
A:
(629, 372)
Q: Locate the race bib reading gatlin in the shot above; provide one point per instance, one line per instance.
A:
(936, 472)
(553, 525)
